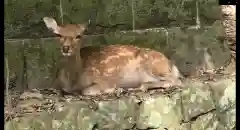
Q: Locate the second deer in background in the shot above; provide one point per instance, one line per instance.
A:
(97, 70)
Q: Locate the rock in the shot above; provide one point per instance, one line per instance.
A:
(160, 112)
(75, 115)
(120, 113)
(208, 121)
(225, 97)
(199, 105)
(196, 99)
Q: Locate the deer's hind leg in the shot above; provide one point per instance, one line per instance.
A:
(91, 90)
(98, 89)
(145, 86)
(159, 82)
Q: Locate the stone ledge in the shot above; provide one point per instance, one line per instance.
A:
(198, 106)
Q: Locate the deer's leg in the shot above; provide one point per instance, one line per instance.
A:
(162, 82)
(99, 89)
(64, 81)
(91, 90)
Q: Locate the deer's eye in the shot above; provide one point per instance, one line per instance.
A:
(79, 37)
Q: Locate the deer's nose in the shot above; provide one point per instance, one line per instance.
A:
(65, 49)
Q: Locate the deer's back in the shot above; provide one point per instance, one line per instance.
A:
(107, 60)
(123, 64)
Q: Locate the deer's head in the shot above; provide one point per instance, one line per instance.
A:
(70, 35)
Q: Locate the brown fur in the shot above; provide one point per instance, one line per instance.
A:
(98, 70)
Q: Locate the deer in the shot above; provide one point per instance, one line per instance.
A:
(97, 70)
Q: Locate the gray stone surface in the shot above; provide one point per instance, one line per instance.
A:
(193, 108)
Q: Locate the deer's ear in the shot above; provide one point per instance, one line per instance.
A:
(82, 29)
(51, 24)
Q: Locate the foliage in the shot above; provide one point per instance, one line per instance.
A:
(23, 19)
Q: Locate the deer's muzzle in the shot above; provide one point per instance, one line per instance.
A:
(65, 49)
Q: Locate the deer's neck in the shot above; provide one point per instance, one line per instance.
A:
(73, 67)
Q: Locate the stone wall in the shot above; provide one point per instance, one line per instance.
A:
(183, 31)
(198, 106)
(33, 62)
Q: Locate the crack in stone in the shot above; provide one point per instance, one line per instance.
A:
(199, 115)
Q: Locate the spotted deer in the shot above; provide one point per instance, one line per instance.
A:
(96, 70)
